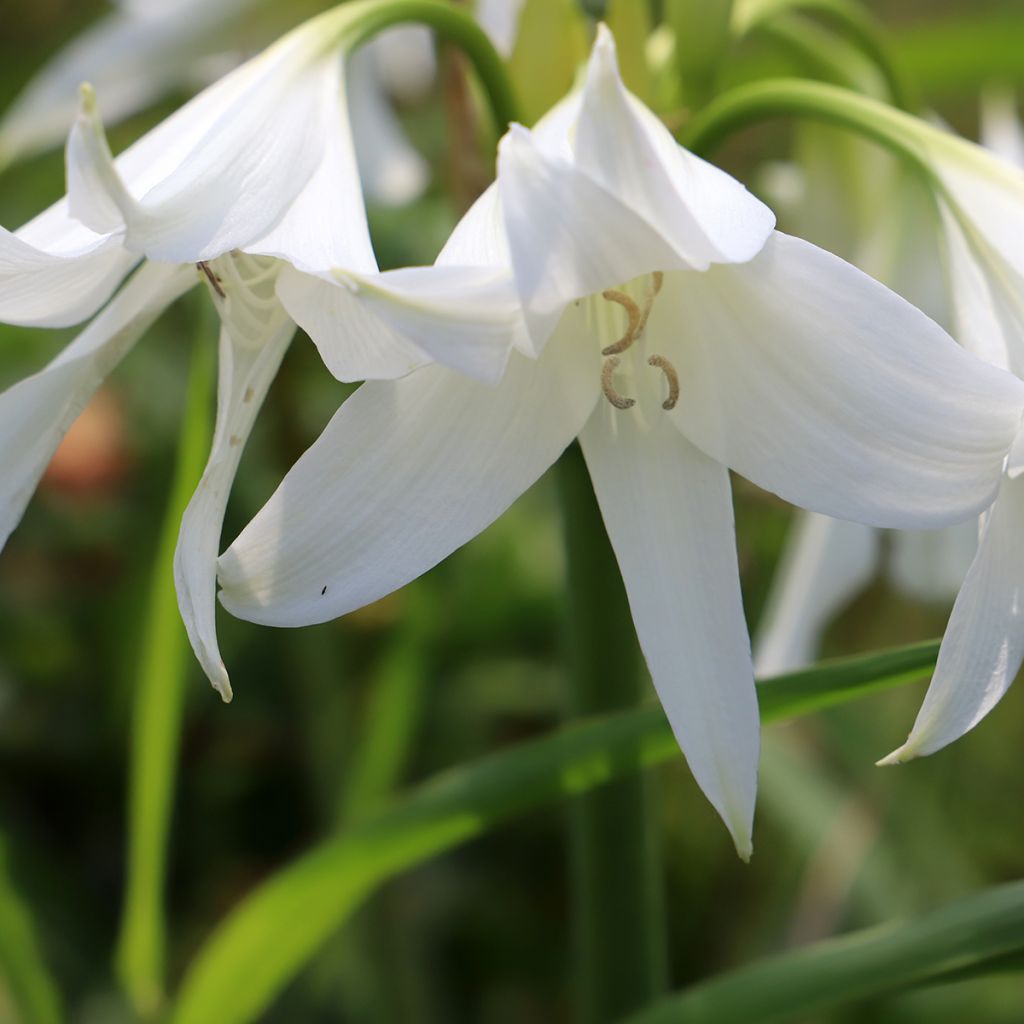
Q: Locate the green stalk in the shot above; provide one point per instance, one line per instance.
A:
(619, 925)
(159, 701)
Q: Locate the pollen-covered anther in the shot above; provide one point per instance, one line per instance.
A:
(671, 376)
(633, 327)
(619, 401)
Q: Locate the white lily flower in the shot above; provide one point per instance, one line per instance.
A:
(254, 178)
(677, 336)
(983, 238)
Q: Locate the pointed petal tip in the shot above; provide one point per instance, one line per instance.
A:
(604, 59)
(87, 99)
(899, 756)
(744, 848)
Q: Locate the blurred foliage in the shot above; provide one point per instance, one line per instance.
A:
(327, 720)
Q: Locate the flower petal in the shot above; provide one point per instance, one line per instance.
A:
(245, 374)
(668, 511)
(816, 382)
(825, 563)
(568, 236)
(55, 273)
(36, 412)
(381, 326)
(705, 215)
(983, 647)
(404, 474)
(222, 170)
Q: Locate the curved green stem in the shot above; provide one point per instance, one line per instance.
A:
(353, 24)
(846, 15)
(619, 940)
(784, 97)
(159, 703)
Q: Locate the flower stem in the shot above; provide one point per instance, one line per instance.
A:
(616, 880)
(163, 669)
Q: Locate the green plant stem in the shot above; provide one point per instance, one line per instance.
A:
(164, 666)
(957, 940)
(361, 20)
(619, 925)
(260, 946)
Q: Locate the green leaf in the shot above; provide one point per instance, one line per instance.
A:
(25, 983)
(956, 940)
(164, 666)
(264, 942)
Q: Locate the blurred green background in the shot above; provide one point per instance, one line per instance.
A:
(462, 662)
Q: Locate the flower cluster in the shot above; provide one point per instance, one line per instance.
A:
(610, 287)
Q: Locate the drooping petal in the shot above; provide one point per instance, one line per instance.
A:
(36, 413)
(245, 373)
(705, 215)
(500, 20)
(1001, 130)
(404, 474)
(983, 647)
(568, 236)
(826, 562)
(816, 382)
(668, 511)
(221, 171)
(55, 273)
(382, 326)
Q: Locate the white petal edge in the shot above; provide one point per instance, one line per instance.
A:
(404, 474)
(36, 412)
(382, 326)
(244, 375)
(983, 647)
(668, 511)
(825, 563)
(706, 215)
(818, 383)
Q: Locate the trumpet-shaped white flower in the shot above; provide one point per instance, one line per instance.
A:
(982, 207)
(252, 179)
(676, 335)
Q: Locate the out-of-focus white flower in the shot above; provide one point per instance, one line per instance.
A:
(677, 336)
(246, 187)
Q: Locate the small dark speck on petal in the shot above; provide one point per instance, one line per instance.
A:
(324, 591)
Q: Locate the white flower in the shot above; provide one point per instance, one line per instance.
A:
(252, 179)
(982, 209)
(677, 336)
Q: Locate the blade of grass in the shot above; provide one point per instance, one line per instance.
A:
(26, 985)
(264, 942)
(944, 943)
(159, 701)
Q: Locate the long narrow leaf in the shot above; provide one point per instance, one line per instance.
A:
(159, 701)
(25, 982)
(959, 938)
(273, 932)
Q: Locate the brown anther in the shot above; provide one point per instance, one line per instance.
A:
(212, 278)
(671, 376)
(633, 327)
(608, 387)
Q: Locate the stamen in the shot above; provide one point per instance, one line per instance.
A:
(633, 328)
(658, 279)
(212, 278)
(671, 376)
(609, 388)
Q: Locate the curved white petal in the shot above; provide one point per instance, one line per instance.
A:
(404, 474)
(479, 239)
(245, 374)
(930, 565)
(816, 382)
(221, 171)
(703, 213)
(54, 273)
(500, 20)
(1001, 130)
(825, 564)
(668, 511)
(983, 647)
(391, 170)
(36, 412)
(132, 57)
(381, 326)
(568, 236)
